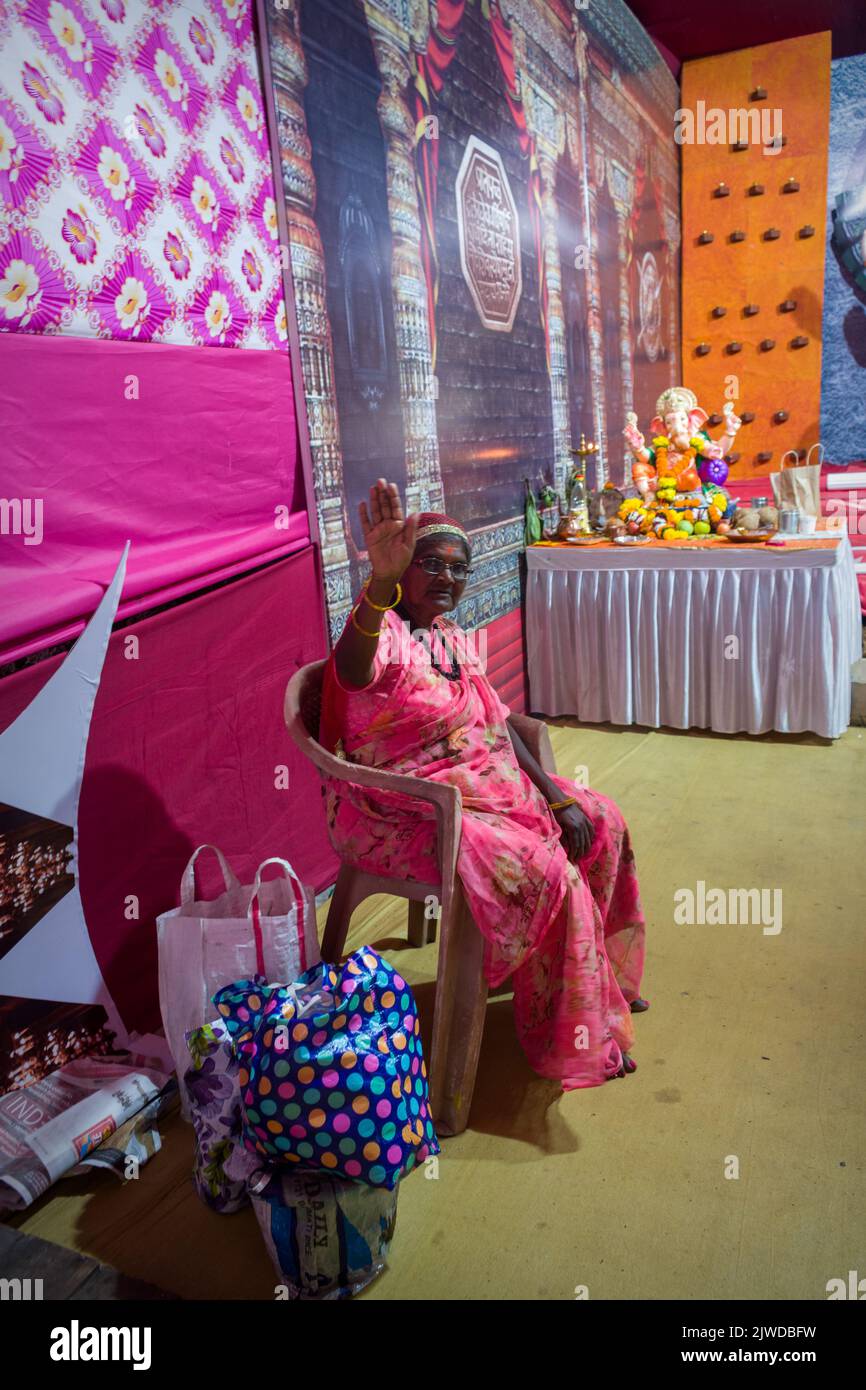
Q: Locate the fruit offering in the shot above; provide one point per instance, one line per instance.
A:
(668, 516)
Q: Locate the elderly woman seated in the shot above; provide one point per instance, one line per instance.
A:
(546, 865)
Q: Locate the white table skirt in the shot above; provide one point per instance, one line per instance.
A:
(644, 636)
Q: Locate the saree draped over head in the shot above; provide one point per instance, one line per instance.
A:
(572, 936)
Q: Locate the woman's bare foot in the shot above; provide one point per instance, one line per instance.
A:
(628, 1066)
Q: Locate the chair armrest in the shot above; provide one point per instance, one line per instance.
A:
(536, 736)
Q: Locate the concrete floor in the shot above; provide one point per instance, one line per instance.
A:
(752, 1051)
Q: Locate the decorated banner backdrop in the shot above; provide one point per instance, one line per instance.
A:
(482, 208)
(135, 179)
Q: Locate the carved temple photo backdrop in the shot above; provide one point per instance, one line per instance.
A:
(481, 204)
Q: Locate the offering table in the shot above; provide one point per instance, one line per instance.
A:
(713, 634)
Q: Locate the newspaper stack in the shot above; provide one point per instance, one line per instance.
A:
(60, 1123)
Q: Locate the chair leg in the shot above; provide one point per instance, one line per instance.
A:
(458, 1019)
(421, 929)
(343, 904)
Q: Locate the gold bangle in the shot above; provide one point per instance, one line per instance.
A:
(365, 631)
(559, 805)
(379, 607)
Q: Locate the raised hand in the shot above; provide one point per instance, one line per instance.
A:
(388, 536)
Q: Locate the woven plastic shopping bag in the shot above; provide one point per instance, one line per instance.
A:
(268, 928)
(332, 1074)
(327, 1238)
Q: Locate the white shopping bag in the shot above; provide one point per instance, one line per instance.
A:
(267, 928)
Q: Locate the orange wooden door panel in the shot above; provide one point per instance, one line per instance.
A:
(757, 271)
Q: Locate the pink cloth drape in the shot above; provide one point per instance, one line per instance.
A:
(189, 453)
(571, 935)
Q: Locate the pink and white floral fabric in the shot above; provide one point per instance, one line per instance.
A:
(136, 192)
(571, 935)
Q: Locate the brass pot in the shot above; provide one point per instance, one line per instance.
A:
(569, 526)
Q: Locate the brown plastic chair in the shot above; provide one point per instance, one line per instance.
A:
(461, 991)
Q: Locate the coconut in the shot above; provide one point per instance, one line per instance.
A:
(769, 516)
(747, 519)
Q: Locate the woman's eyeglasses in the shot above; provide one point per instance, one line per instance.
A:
(431, 565)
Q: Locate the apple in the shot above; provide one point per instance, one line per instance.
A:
(702, 528)
(722, 528)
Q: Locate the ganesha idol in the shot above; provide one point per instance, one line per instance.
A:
(682, 449)
(684, 469)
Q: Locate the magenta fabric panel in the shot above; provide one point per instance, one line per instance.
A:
(183, 748)
(188, 452)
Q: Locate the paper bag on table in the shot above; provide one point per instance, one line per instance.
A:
(799, 485)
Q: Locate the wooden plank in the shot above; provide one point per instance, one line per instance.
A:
(62, 1271)
(66, 1274)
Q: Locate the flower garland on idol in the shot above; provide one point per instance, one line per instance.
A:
(670, 517)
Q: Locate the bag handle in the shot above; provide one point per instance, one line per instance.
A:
(794, 455)
(820, 446)
(253, 911)
(187, 882)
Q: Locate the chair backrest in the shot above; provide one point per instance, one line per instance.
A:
(310, 697)
(302, 709)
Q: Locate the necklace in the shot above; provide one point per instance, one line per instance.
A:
(425, 640)
(454, 673)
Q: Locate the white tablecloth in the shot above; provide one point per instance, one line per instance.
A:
(735, 639)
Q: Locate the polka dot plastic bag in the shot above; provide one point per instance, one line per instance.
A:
(331, 1070)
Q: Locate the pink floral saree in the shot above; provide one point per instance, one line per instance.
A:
(572, 936)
